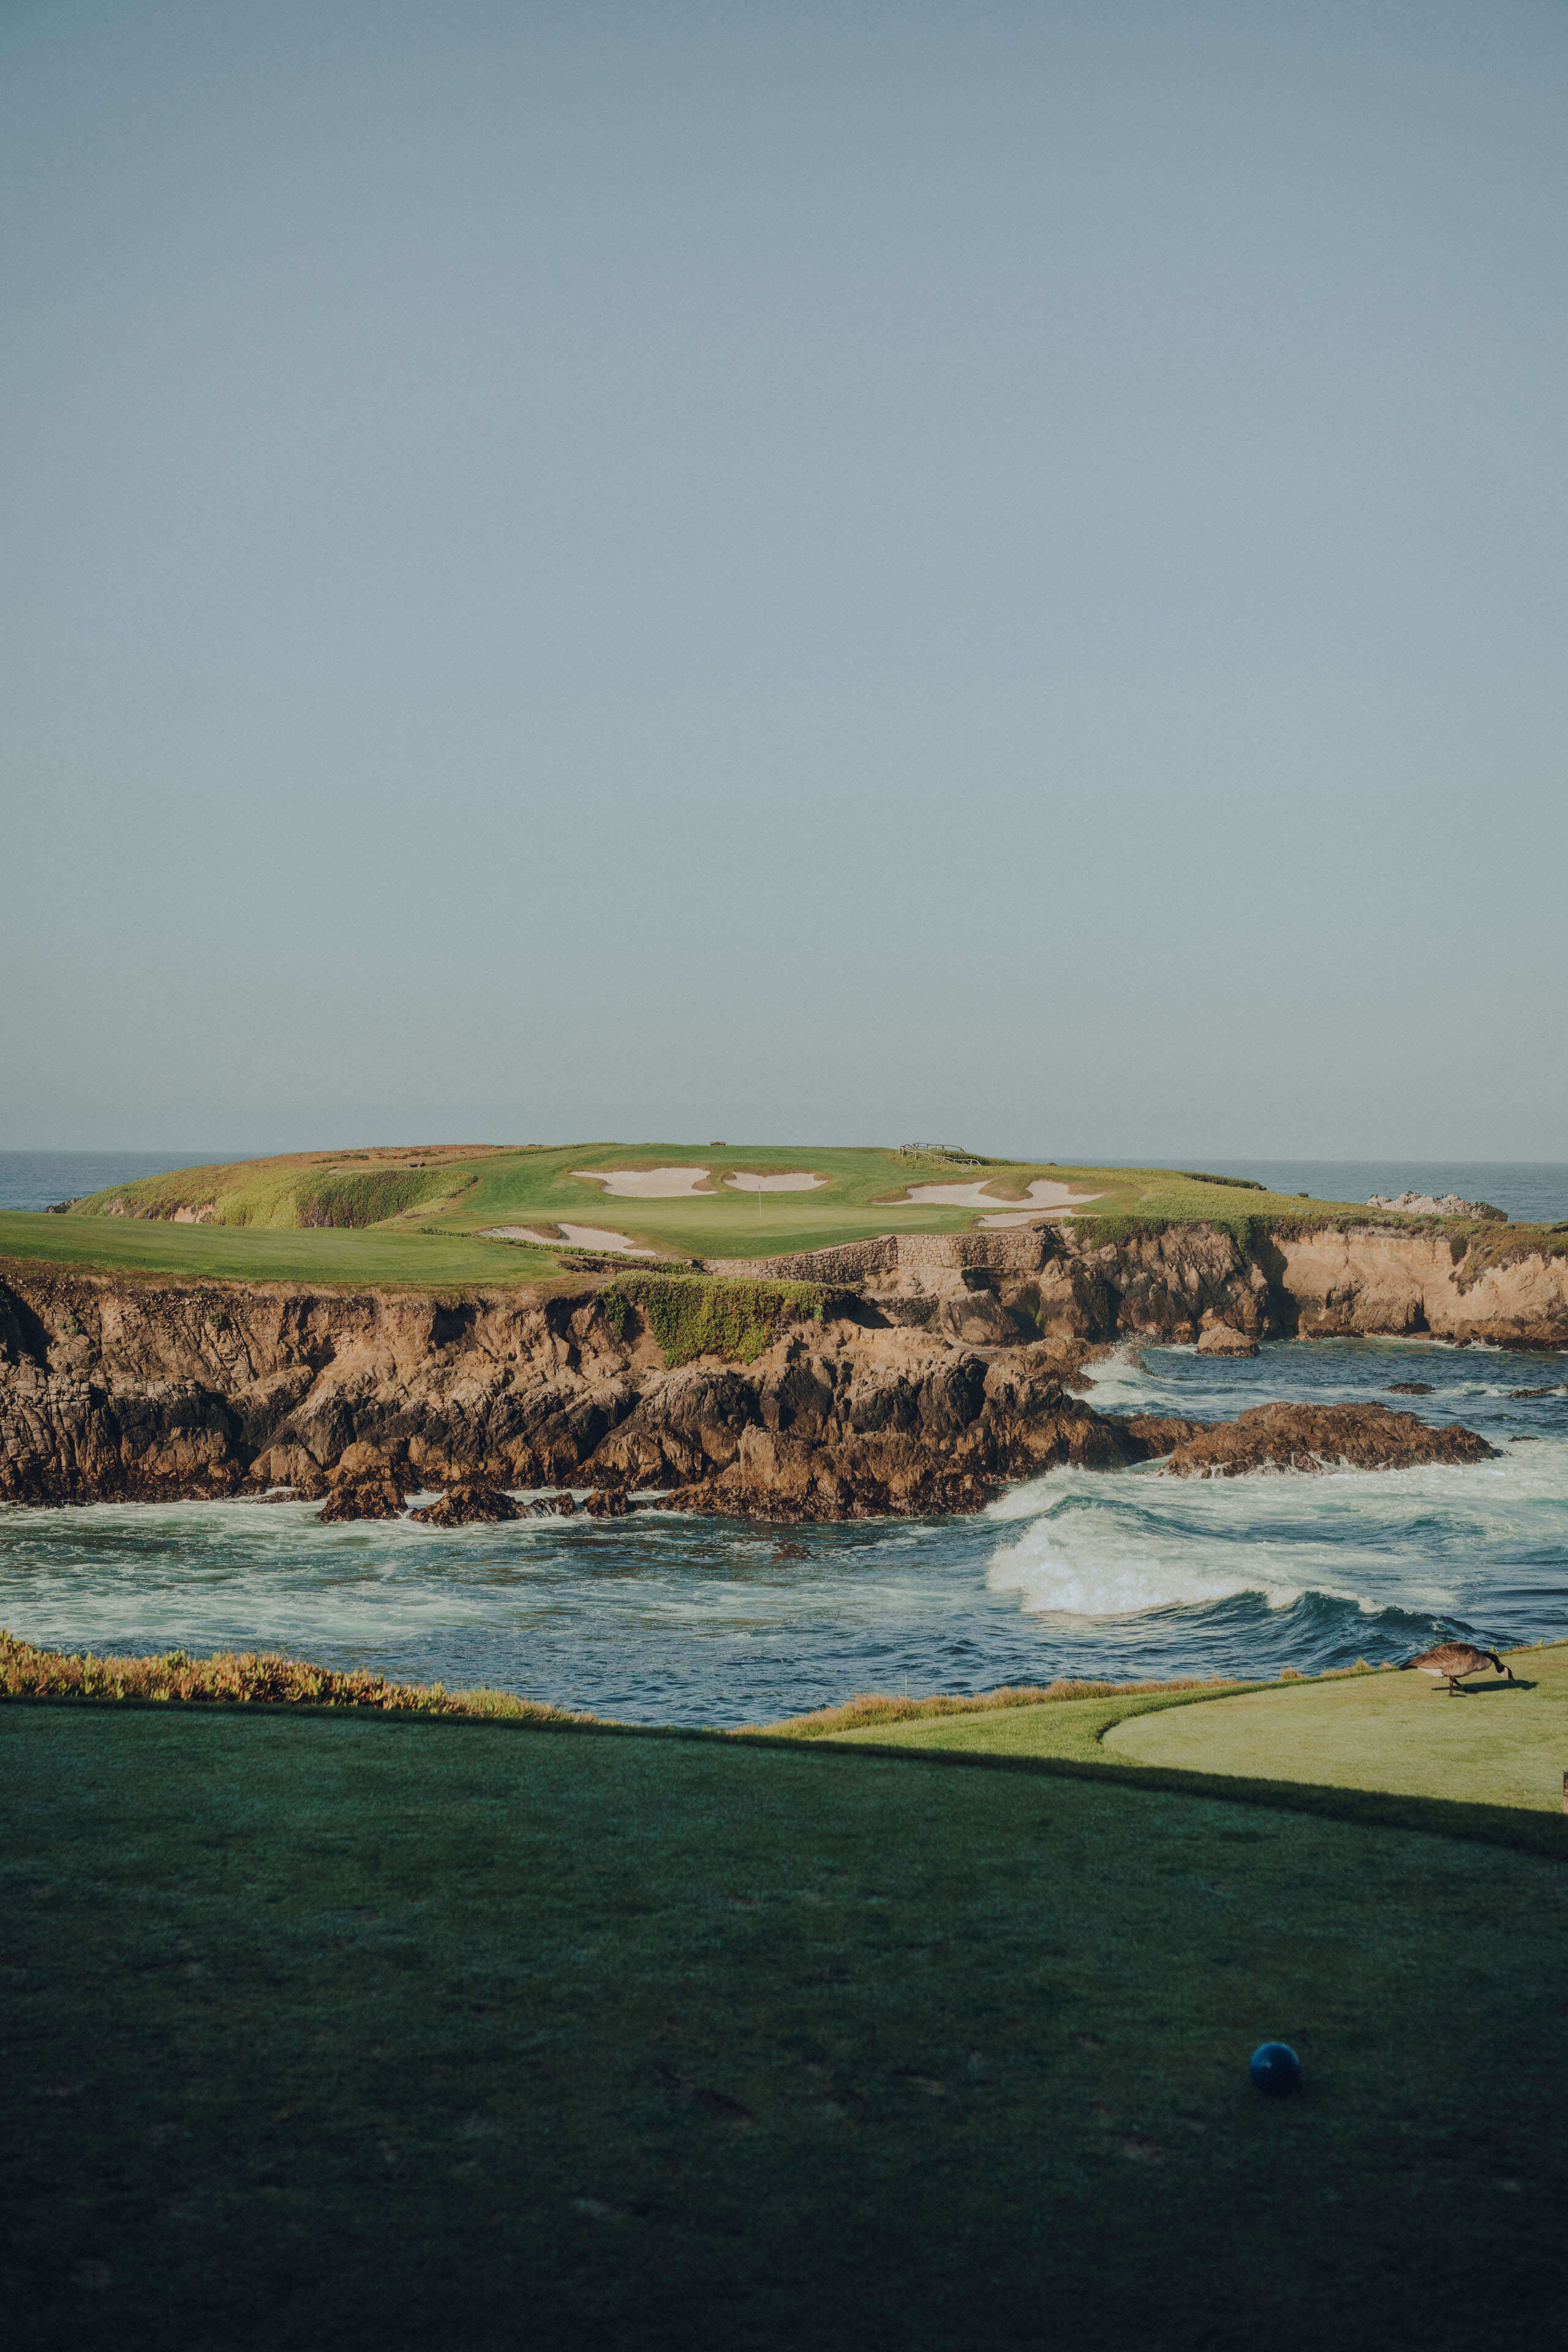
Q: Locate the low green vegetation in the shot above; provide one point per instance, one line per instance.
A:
(240, 1678)
(347, 1188)
(876, 1710)
(349, 2029)
(691, 1315)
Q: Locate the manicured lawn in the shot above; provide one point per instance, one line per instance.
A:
(249, 1253)
(851, 1205)
(1505, 1744)
(541, 1187)
(333, 2031)
(1502, 1744)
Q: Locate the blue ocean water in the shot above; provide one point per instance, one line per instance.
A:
(37, 1179)
(1531, 1192)
(690, 1620)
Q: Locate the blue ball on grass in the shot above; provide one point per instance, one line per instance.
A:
(1275, 2068)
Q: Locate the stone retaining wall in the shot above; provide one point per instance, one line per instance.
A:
(1016, 1249)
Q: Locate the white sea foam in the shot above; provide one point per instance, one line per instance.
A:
(1089, 1544)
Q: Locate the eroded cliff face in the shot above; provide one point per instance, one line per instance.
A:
(1362, 1282)
(160, 1391)
(945, 1379)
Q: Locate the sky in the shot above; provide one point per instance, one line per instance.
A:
(986, 572)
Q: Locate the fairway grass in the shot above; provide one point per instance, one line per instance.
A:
(438, 1237)
(1503, 1744)
(366, 2032)
(376, 1258)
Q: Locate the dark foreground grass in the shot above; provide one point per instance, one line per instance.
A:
(358, 2031)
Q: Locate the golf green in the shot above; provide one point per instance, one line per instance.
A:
(334, 2031)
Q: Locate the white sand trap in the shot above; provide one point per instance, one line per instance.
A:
(1044, 1192)
(945, 1196)
(646, 1183)
(799, 1181)
(588, 1237)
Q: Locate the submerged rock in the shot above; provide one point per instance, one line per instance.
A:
(1323, 1437)
(1409, 1388)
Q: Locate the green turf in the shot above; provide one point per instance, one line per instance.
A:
(337, 2033)
(1502, 1744)
(247, 1254)
(263, 1207)
(1505, 1744)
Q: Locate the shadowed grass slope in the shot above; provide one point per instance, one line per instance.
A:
(362, 2030)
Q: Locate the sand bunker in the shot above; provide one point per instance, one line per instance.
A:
(800, 1180)
(646, 1183)
(588, 1237)
(1044, 1192)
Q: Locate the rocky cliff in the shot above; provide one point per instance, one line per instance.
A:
(942, 1378)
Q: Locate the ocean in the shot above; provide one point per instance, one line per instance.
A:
(668, 1619)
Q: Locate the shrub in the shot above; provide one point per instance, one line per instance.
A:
(242, 1678)
(697, 1315)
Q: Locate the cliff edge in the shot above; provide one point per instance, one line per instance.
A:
(938, 1372)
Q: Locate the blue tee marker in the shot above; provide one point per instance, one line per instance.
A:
(1275, 2068)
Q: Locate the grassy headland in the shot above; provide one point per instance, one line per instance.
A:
(420, 1216)
(364, 2030)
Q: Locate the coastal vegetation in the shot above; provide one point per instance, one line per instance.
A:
(345, 2026)
(241, 1678)
(691, 1315)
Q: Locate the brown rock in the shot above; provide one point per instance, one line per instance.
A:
(607, 1503)
(1222, 1339)
(461, 1505)
(364, 1498)
(1323, 1437)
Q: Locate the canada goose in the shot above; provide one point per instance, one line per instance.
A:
(1452, 1660)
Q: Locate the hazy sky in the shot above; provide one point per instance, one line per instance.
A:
(987, 572)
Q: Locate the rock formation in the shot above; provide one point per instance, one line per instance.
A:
(1422, 1205)
(1321, 1437)
(1220, 1340)
(462, 1506)
(365, 1498)
(945, 1374)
